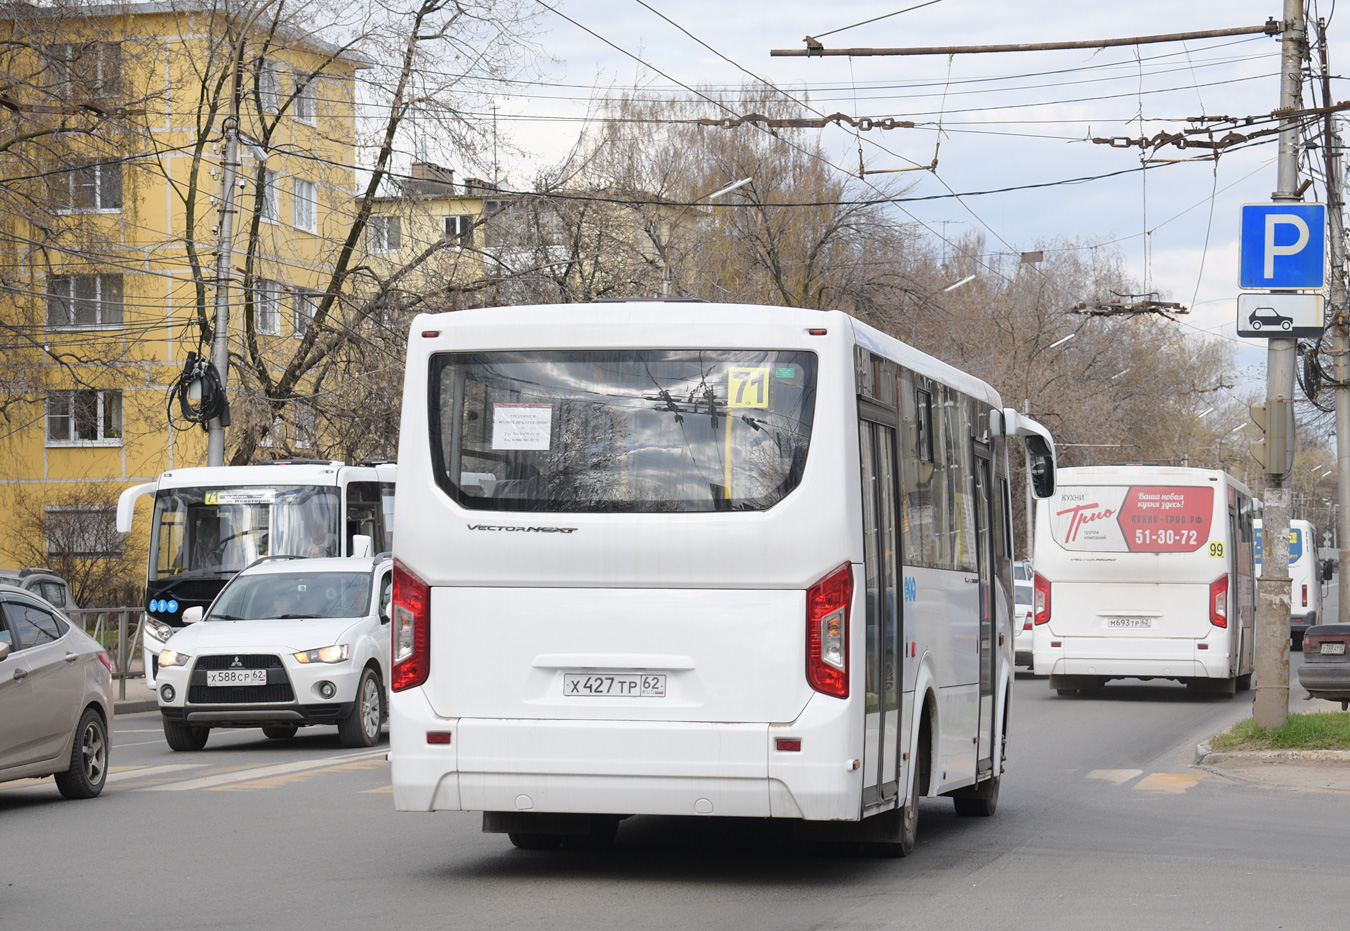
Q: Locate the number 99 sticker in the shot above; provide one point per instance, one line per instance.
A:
(748, 387)
(1216, 550)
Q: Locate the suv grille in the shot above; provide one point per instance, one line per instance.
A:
(278, 688)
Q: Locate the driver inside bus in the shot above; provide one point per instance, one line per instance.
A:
(321, 542)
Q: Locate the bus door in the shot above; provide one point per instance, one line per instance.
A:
(985, 641)
(881, 749)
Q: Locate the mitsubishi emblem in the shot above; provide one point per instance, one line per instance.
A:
(236, 663)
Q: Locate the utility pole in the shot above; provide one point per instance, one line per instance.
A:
(1270, 708)
(1340, 327)
(220, 346)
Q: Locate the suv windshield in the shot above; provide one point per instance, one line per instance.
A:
(293, 595)
(631, 430)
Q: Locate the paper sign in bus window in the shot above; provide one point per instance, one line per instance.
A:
(521, 426)
(748, 386)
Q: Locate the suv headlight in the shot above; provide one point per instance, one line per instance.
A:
(333, 654)
(172, 658)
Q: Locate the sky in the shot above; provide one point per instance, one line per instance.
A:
(1006, 120)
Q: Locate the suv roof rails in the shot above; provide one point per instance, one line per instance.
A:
(35, 570)
(262, 559)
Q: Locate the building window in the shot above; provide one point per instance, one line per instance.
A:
(305, 308)
(384, 234)
(88, 187)
(267, 309)
(303, 206)
(84, 417)
(83, 532)
(459, 229)
(84, 300)
(83, 70)
(269, 86)
(304, 103)
(271, 208)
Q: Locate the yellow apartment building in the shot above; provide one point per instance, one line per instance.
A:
(109, 230)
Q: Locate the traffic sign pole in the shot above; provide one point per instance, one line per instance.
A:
(1270, 708)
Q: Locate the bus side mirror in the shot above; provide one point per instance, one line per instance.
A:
(361, 544)
(1041, 466)
(1328, 569)
(193, 614)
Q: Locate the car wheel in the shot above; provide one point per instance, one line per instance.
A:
(361, 728)
(88, 759)
(183, 736)
(280, 733)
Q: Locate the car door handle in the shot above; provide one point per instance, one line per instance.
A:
(72, 657)
(20, 674)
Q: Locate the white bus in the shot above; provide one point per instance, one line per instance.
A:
(697, 559)
(1145, 572)
(209, 523)
(1305, 577)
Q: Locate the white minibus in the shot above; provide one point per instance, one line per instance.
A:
(714, 560)
(1145, 571)
(211, 522)
(1305, 577)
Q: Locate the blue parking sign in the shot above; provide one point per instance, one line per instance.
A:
(1282, 245)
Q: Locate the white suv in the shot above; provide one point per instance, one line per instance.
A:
(287, 643)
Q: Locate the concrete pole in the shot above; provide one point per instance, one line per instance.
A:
(1270, 707)
(1340, 335)
(220, 346)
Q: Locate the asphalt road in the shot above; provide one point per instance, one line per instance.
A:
(1103, 823)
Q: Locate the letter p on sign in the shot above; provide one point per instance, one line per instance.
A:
(1283, 246)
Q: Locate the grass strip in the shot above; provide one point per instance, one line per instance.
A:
(1323, 730)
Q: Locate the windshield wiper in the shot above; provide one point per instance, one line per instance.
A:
(224, 617)
(299, 617)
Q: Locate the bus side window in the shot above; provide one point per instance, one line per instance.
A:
(363, 513)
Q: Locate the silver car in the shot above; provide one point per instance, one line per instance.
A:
(56, 704)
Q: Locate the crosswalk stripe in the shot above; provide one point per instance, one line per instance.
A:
(1171, 783)
(1118, 776)
(260, 772)
(142, 771)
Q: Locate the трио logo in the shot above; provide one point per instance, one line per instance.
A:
(1079, 518)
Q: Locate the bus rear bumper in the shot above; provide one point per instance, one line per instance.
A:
(623, 767)
(1140, 658)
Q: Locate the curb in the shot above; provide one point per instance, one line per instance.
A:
(134, 705)
(1204, 756)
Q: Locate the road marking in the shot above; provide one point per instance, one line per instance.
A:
(1117, 776)
(385, 789)
(1171, 783)
(273, 782)
(119, 774)
(139, 730)
(260, 772)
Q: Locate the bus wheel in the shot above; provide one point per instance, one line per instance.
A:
(535, 841)
(981, 802)
(1244, 683)
(1066, 691)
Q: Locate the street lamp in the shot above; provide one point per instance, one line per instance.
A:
(1061, 341)
(670, 236)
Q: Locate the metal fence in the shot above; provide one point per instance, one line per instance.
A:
(119, 630)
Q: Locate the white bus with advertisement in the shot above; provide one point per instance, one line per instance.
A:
(209, 523)
(1305, 577)
(697, 559)
(1145, 572)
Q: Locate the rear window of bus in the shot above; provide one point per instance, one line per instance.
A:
(621, 431)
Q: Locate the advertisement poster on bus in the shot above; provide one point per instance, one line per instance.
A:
(1132, 518)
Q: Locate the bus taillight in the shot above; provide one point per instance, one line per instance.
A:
(1042, 585)
(1218, 601)
(1305, 595)
(411, 629)
(827, 608)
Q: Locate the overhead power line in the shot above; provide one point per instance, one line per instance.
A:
(1271, 28)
